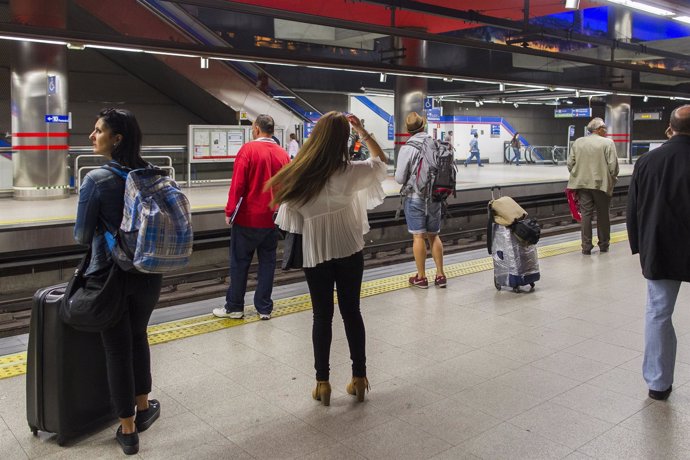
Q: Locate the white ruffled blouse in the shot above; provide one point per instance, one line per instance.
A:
(333, 224)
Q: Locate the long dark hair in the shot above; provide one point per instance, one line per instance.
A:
(323, 154)
(127, 152)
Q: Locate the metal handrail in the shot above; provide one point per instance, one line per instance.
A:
(554, 154)
(77, 177)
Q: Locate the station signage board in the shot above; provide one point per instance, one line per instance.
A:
(647, 116)
(433, 115)
(57, 118)
(495, 130)
(573, 112)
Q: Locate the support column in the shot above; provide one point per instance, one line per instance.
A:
(39, 88)
(409, 91)
(618, 116)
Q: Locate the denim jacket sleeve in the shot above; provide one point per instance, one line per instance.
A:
(87, 212)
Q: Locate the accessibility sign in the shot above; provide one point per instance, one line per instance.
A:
(57, 118)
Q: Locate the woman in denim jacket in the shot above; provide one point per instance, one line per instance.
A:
(117, 137)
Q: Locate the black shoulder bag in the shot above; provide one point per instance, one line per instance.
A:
(93, 303)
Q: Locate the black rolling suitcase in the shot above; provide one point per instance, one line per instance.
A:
(66, 381)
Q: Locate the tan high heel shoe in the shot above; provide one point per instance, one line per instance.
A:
(357, 387)
(322, 392)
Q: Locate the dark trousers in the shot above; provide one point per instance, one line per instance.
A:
(591, 200)
(244, 241)
(346, 275)
(126, 344)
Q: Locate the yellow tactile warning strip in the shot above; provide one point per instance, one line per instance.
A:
(14, 365)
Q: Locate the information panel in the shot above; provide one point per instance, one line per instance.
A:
(211, 143)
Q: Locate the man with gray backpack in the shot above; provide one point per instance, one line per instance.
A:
(426, 170)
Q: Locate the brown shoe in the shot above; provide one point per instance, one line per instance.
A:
(357, 387)
(322, 392)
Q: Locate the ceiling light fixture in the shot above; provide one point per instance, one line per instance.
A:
(203, 63)
(476, 103)
(501, 87)
(383, 77)
(685, 19)
(643, 7)
(572, 4)
(645, 99)
(516, 105)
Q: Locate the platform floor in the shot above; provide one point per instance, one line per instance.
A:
(462, 373)
(21, 213)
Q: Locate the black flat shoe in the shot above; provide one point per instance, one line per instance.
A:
(145, 418)
(660, 395)
(128, 442)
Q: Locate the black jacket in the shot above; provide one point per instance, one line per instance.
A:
(658, 214)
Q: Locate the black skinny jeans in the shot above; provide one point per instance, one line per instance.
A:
(346, 275)
(126, 344)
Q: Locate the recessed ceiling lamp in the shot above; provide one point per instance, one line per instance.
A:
(643, 7)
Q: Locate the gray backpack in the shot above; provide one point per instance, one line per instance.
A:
(431, 170)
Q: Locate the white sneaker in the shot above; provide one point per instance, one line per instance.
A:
(264, 317)
(221, 313)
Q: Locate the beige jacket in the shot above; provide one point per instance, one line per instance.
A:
(593, 164)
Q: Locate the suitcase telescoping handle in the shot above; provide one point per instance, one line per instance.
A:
(497, 189)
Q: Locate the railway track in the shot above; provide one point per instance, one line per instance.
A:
(465, 229)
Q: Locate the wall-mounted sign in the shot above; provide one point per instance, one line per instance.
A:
(433, 115)
(495, 130)
(57, 118)
(647, 116)
(428, 103)
(573, 112)
(391, 131)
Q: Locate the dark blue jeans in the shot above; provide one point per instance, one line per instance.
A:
(244, 241)
(346, 275)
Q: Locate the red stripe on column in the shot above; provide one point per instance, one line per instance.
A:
(40, 134)
(618, 135)
(40, 147)
(403, 134)
(399, 143)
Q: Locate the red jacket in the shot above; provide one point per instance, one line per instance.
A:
(256, 163)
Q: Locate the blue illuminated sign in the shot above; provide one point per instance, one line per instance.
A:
(433, 115)
(428, 103)
(584, 112)
(495, 130)
(391, 131)
(57, 118)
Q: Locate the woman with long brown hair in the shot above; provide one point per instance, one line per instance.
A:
(325, 197)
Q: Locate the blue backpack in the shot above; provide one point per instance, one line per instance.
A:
(156, 234)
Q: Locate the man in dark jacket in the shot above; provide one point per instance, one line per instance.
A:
(659, 229)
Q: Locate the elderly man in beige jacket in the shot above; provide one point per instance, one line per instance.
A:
(593, 166)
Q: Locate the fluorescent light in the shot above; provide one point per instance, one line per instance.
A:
(115, 48)
(683, 19)
(283, 97)
(32, 40)
(383, 77)
(501, 87)
(643, 7)
(204, 63)
(572, 4)
(170, 53)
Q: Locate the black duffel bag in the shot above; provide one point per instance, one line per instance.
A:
(93, 303)
(527, 230)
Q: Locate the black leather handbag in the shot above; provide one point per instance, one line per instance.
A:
(93, 303)
(292, 251)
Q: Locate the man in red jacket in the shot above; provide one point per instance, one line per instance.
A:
(251, 219)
